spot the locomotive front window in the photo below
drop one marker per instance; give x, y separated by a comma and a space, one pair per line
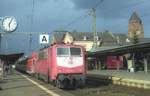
75, 51
62, 51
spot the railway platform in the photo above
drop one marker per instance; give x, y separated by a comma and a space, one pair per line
122, 77
18, 84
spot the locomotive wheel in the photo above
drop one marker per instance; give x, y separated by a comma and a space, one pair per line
32, 74
66, 82
36, 76
47, 79
82, 84
74, 84
53, 83
58, 84
39, 76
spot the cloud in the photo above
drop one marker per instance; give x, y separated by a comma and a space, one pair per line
45, 16
50, 15
112, 9
113, 13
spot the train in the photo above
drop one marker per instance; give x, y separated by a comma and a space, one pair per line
114, 62
61, 64
20, 65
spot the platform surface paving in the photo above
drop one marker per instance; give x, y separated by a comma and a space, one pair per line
18, 84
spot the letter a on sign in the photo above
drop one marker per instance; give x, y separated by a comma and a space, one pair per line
44, 38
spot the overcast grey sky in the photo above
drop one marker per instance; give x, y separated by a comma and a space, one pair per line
50, 15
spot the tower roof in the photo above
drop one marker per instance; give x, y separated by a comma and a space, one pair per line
134, 17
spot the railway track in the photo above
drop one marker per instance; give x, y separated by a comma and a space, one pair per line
96, 81
98, 87
104, 87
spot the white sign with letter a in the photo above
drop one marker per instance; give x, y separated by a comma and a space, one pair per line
44, 39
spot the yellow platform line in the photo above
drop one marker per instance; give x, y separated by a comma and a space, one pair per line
131, 82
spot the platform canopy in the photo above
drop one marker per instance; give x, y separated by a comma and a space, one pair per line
11, 58
139, 47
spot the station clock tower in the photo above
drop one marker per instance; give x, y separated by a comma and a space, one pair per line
135, 26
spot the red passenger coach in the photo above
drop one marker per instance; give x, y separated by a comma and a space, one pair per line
63, 64
30, 66
114, 62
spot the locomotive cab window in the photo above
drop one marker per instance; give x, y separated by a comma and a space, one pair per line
43, 54
62, 51
75, 51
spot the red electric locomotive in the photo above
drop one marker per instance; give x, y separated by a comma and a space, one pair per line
62, 64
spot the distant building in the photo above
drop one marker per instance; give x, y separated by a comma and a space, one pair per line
135, 26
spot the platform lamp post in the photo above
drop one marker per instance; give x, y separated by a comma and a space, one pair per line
135, 41
95, 36
0, 33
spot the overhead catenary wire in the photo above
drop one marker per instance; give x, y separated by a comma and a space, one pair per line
83, 16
